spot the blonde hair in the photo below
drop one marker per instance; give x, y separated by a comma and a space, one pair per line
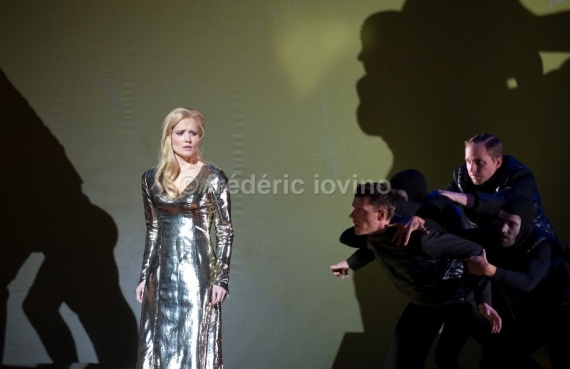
168, 169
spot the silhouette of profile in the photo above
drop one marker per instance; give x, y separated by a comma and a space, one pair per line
46, 211
438, 72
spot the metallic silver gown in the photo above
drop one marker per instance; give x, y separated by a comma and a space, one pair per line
178, 328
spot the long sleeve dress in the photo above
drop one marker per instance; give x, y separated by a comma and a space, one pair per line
178, 327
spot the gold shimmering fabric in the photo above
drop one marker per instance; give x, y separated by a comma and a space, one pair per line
178, 327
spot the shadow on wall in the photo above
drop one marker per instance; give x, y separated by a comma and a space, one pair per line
45, 211
439, 72
380, 307
436, 74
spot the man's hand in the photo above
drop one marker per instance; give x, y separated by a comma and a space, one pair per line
466, 200
340, 269
406, 227
435, 193
492, 316
479, 265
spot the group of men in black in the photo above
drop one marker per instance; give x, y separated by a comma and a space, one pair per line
478, 259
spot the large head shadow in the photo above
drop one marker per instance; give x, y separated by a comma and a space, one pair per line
439, 72
46, 211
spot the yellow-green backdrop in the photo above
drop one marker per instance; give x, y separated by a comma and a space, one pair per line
280, 83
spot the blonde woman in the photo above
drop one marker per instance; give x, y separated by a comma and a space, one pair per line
184, 277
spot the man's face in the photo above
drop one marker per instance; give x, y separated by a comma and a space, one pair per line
510, 228
366, 219
480, 165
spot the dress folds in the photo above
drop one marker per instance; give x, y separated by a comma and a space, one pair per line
178, 327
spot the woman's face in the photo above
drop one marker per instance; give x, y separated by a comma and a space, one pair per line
185, 137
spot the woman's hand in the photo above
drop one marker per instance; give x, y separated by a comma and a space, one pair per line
218, 295
139, 292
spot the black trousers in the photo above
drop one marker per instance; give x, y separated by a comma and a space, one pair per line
522, 337
418, 328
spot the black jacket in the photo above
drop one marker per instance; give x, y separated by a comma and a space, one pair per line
530, 276
429, 271
511, 179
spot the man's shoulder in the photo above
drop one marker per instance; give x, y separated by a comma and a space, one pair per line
514, 170
383, 238
433, 226
538, 239
513, 164
388, 233
459, 170
419, 238
460, 176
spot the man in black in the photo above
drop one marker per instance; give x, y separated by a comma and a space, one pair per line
528, 280
487, 179
530, 284
409, 187
429, 271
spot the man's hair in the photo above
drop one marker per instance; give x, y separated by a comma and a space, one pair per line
378, 195
492, 143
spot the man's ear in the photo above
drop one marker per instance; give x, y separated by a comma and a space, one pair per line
382, 214
499, 161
